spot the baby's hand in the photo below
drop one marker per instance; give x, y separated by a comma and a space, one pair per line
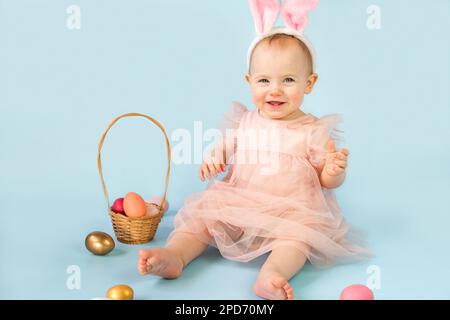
211, 169
336, 161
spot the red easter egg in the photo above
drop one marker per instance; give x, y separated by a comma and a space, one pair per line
356, 292
134, 205
117, 206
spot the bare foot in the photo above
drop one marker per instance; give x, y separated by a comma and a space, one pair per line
161, 262
273, 287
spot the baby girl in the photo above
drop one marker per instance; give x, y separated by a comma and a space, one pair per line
291, 212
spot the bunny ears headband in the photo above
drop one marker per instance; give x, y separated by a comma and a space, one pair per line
294, 13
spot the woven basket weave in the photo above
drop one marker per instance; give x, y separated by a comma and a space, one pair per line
135, 230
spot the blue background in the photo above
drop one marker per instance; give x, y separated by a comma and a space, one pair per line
184, 61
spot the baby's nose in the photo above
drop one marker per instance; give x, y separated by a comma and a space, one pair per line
276, 92
276, 88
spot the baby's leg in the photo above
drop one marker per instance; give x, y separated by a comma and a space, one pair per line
285, 260
169, 262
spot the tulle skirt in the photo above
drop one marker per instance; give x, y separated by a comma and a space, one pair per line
246, 215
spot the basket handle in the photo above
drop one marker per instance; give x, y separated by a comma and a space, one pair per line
99, 162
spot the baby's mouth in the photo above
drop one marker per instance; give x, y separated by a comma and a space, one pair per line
276, 103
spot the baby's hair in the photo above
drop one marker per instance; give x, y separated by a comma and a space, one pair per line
284, 39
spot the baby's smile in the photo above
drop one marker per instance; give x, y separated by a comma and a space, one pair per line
276, 103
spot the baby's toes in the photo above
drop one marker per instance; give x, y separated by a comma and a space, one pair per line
142, 266
289, 292
141, 270
280, 282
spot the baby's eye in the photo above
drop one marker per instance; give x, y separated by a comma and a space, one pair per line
290, 80
263, 81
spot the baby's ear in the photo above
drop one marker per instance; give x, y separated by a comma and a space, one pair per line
248, 78
265, 14
312, 80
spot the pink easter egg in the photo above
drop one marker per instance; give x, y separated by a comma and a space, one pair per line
157, 200
356, 292
134, 205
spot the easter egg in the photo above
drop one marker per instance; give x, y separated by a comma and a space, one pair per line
134, 205
99, 243
152, 210
120, 292
356, 292
157, 200
117, 206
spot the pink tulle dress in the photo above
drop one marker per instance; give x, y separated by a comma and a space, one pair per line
271, 194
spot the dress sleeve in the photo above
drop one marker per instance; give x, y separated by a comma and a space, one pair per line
224, 148
322, 130
233, 116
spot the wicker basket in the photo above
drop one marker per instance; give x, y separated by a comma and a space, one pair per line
135, 230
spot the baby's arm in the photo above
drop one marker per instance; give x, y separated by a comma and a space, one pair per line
213, 164
332, 173
216, 160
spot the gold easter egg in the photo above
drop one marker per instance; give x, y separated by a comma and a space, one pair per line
120, 292
99, 243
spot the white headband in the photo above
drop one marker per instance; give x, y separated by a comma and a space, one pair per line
294, 12
286, 31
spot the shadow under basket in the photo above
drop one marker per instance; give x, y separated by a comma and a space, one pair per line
136, 230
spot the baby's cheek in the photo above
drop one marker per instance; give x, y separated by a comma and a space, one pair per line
258, 96
295, 96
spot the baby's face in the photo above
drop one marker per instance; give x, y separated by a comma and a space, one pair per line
279, 78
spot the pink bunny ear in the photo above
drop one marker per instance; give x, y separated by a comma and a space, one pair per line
265, 14
295, 12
